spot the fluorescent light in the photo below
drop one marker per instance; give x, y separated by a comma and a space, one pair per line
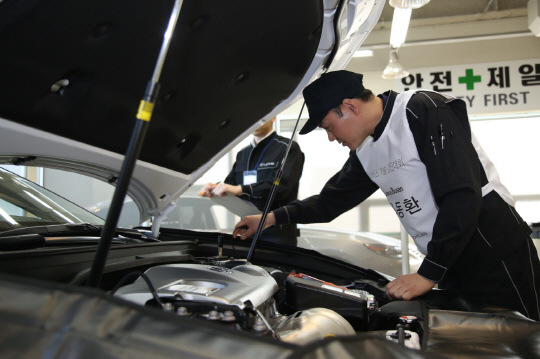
363, 53
413, 4
400, 25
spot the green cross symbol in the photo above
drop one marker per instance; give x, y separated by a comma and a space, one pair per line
469, 79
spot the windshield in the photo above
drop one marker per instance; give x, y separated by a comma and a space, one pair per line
25, 204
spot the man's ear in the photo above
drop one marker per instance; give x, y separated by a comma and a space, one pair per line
351, 105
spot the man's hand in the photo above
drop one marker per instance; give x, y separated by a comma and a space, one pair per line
220, 189
408, 286
249, 224
207, 190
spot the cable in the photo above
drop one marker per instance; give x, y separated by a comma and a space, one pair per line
145, 278
234, 249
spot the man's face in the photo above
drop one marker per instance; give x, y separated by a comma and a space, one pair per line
347, 130
264, 129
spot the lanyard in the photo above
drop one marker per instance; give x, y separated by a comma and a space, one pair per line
262, 154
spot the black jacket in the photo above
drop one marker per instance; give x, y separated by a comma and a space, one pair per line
466, 221
268, 156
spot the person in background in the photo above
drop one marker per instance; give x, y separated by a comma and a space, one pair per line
253, 174
418, 148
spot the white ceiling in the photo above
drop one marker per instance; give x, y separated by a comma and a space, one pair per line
454, 32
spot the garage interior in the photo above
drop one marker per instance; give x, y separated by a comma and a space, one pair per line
486, 52
441, 33
448, 34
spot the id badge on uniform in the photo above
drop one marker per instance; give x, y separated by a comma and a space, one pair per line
250, 177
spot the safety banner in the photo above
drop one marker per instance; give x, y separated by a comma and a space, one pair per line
511, 86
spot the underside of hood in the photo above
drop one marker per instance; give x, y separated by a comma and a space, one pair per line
73, 73
78, 69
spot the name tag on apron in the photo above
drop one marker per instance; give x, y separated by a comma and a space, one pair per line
250, 177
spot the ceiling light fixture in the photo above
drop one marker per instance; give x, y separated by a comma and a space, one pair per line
394, 69
400, 25
408, 4
363, 53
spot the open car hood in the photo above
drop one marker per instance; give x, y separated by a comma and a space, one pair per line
74, 72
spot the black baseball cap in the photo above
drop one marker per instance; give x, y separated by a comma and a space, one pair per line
327, 92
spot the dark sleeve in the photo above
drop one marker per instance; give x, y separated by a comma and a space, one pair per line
292, 171
345, 190
455, 177
231, 177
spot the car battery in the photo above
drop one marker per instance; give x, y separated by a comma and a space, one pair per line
305, 292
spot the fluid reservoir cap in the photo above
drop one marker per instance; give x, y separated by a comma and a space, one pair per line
407, 319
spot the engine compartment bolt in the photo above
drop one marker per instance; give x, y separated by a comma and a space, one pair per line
213, 315
182, 311
259, 325
228, 316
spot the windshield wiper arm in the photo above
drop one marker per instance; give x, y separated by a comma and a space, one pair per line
20, 242
53, 229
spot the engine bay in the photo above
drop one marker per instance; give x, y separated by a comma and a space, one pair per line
286, 305
192, 286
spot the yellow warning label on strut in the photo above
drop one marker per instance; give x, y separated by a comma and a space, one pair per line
145, 110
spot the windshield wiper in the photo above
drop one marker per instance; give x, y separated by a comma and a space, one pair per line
56, 229
20, 242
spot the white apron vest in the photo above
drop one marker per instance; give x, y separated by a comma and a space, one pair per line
393, 163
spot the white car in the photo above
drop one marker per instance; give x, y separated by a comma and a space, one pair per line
368, 250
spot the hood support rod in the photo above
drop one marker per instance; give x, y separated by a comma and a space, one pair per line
144, 115
273, 191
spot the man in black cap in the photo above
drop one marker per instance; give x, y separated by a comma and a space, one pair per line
418, 148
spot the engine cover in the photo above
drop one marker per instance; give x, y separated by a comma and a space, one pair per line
200, 282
